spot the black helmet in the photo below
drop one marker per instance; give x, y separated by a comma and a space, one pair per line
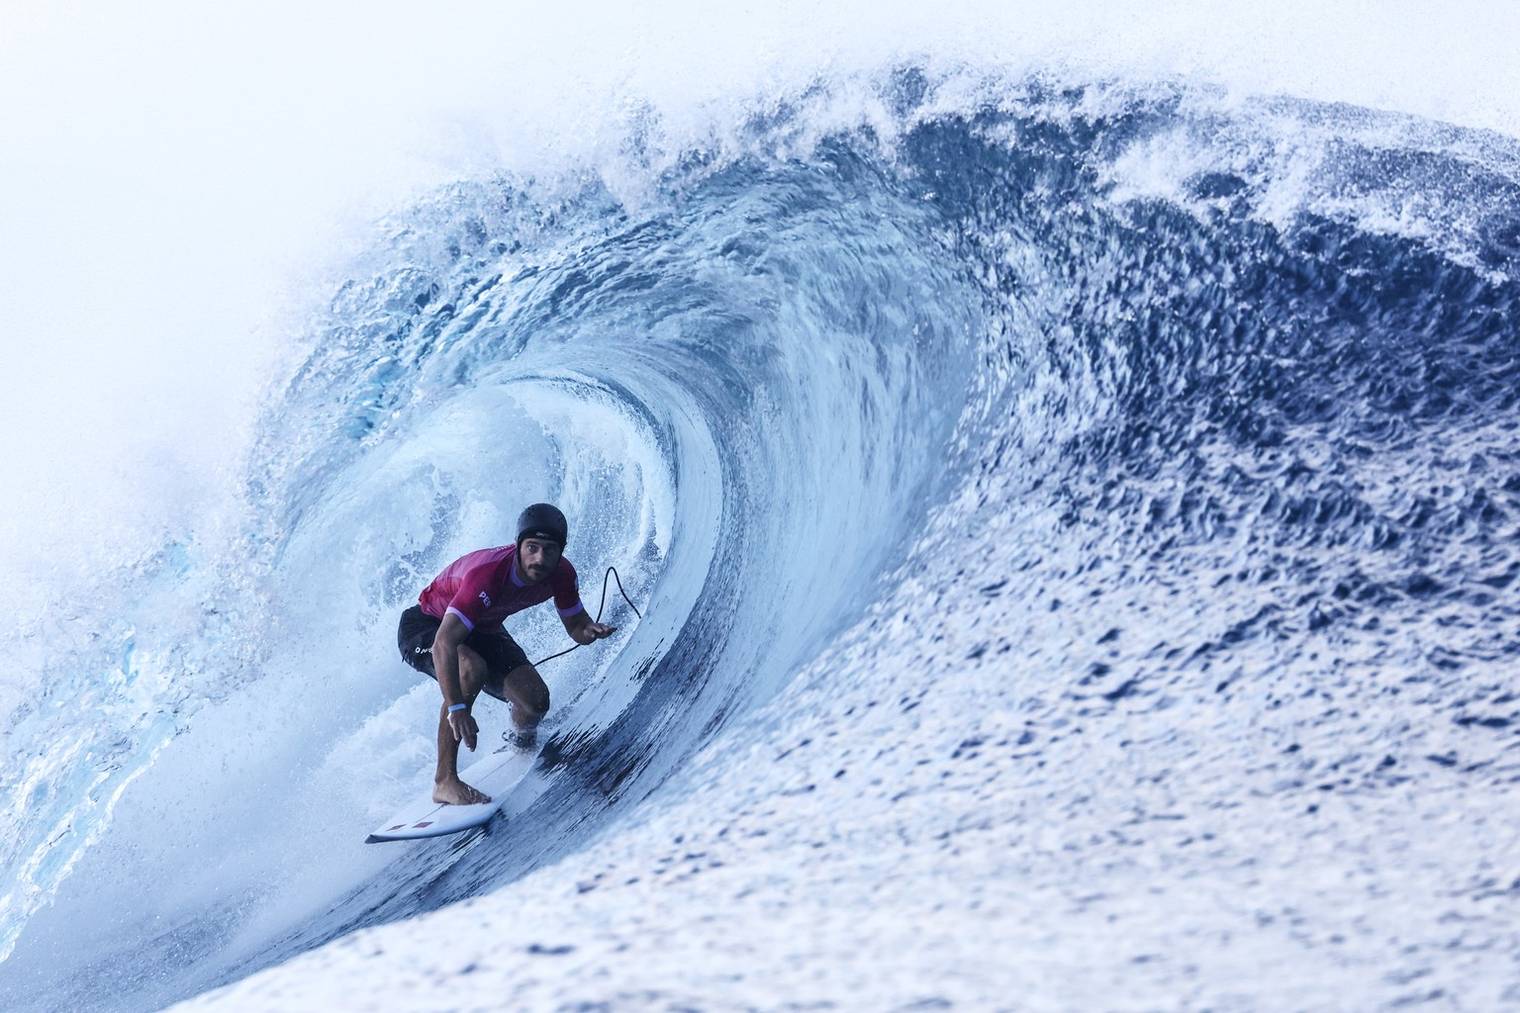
542, 520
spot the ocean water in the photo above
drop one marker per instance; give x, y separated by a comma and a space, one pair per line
1075, 519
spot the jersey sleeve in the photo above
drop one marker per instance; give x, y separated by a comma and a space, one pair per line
567, 592
472, 597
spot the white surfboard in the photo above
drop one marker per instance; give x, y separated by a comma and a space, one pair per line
496, 775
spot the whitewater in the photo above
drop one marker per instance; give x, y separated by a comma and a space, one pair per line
1067, 466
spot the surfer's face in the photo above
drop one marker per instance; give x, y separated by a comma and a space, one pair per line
538, 558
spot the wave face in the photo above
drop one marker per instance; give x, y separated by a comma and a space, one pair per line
1188, 425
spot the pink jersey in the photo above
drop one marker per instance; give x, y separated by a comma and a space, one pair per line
482, 588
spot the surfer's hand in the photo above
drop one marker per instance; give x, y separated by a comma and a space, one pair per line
588, 632
463, 725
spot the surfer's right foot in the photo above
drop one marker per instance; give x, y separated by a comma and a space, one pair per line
456, 792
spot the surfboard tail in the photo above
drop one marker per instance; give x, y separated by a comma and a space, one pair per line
496, 775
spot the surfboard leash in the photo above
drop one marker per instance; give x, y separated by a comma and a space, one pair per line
611, 572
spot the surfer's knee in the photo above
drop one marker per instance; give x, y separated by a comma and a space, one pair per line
472, 672
535, 705
531, 693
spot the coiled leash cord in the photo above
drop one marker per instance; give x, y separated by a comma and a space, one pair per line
611, 572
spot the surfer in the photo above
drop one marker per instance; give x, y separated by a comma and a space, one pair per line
454, 633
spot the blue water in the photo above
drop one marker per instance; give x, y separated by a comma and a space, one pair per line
1195, 421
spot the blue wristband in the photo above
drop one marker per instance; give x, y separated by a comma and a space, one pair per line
459, 707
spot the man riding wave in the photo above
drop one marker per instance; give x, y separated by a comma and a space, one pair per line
454, 634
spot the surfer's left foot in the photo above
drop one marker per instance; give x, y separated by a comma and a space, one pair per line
456, 792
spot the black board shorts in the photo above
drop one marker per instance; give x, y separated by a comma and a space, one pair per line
414, 636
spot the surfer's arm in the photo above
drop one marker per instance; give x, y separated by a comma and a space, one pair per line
583, 631
451, 633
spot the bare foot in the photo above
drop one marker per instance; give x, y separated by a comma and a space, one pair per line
456, 792
523, 738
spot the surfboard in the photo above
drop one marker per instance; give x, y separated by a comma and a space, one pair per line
496, 775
